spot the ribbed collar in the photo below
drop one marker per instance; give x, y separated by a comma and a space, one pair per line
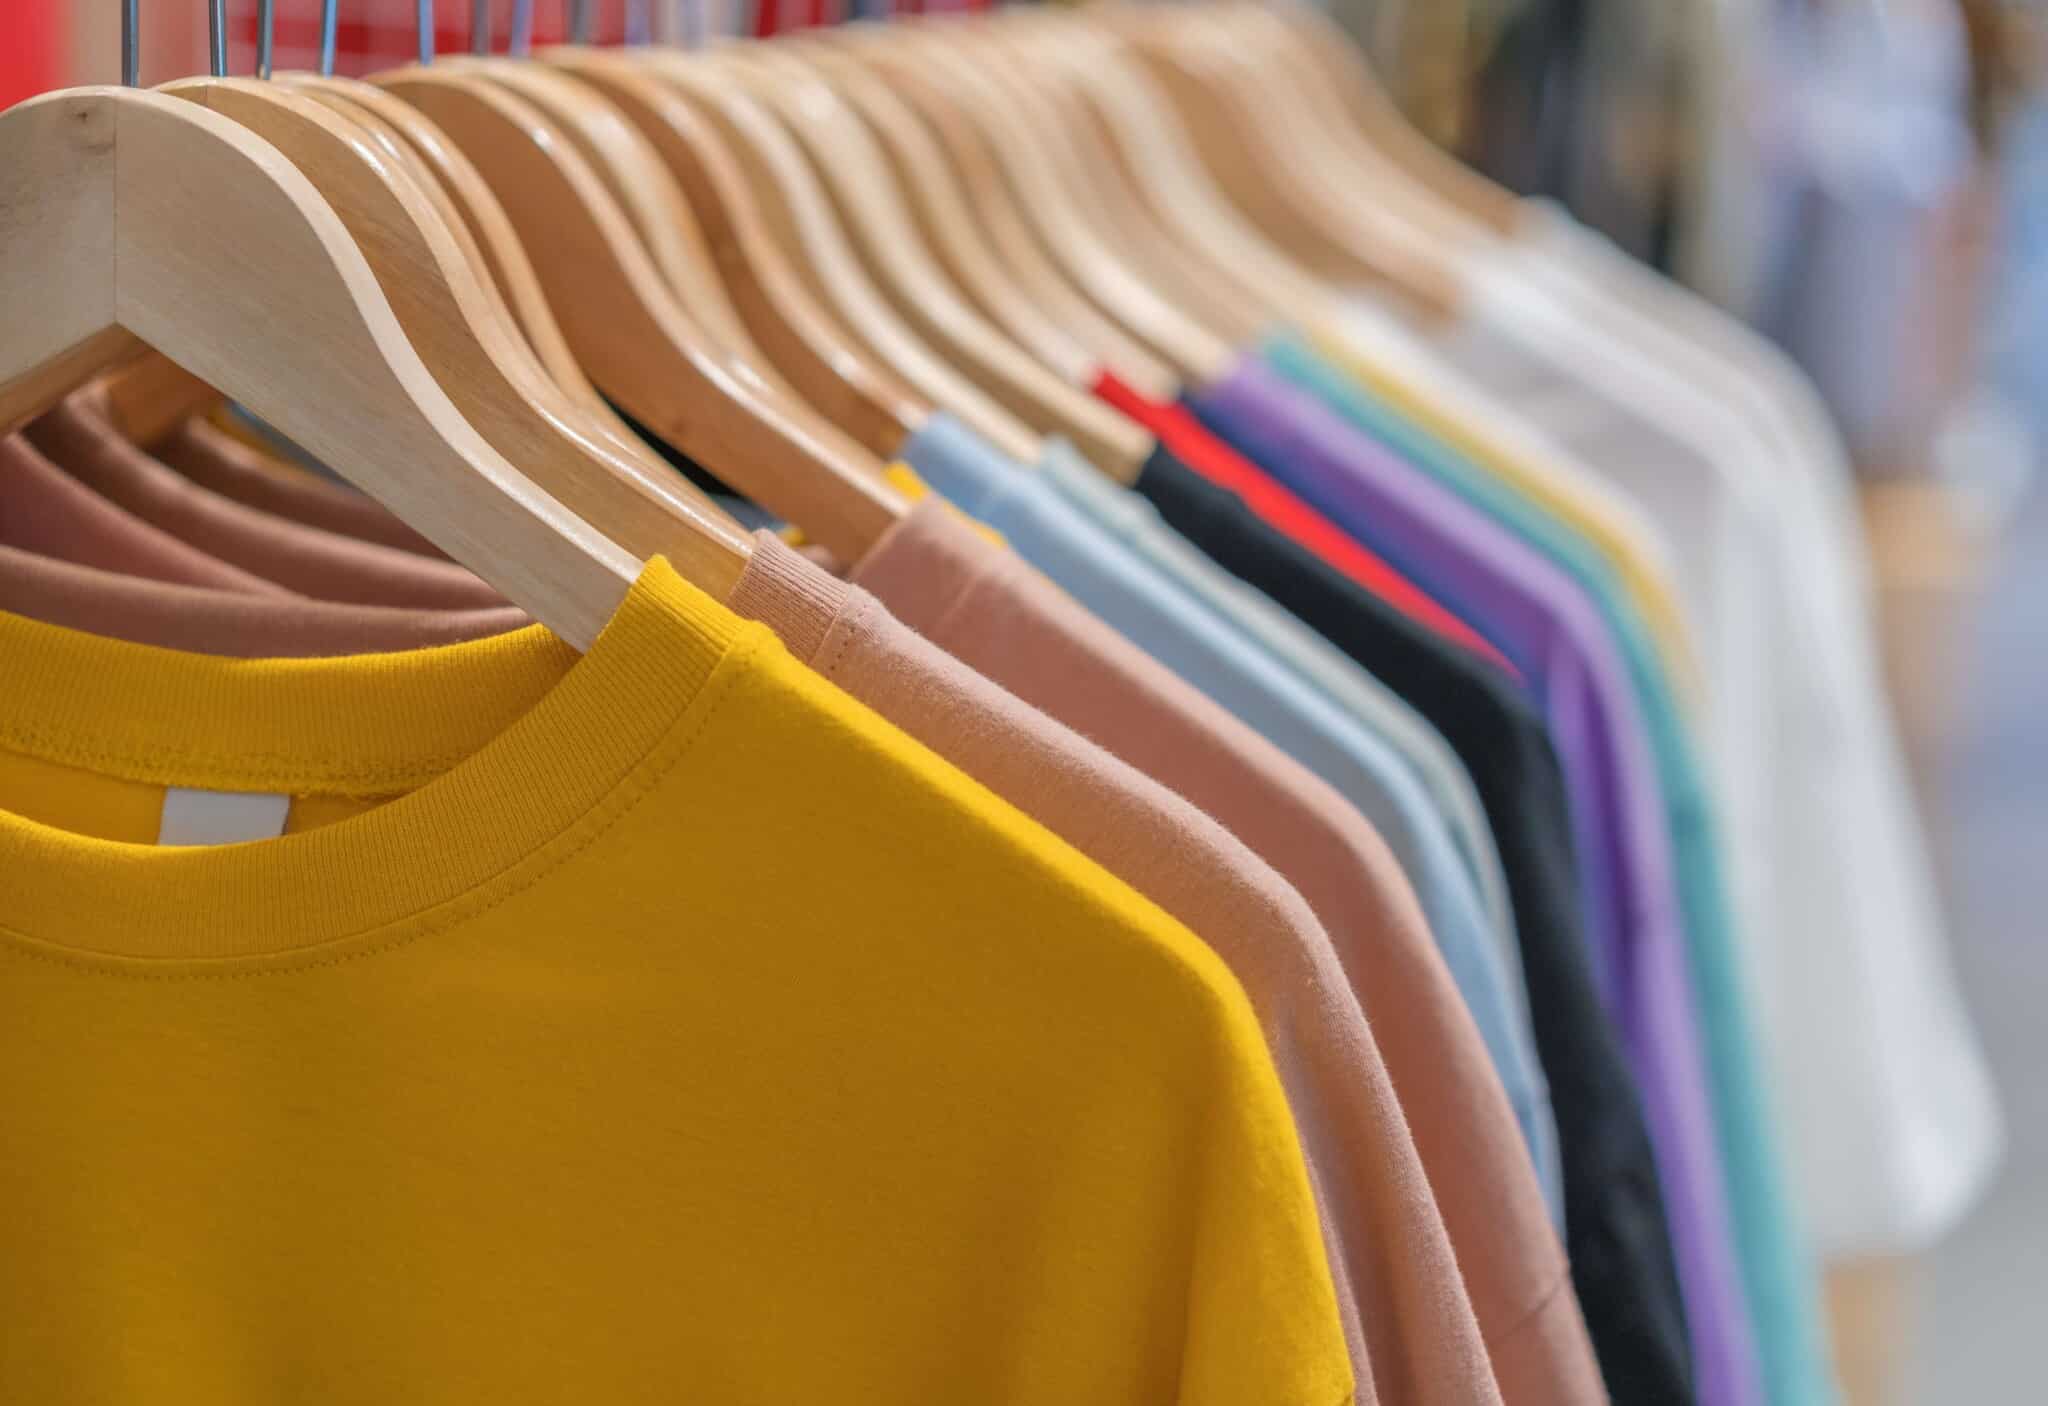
491, 748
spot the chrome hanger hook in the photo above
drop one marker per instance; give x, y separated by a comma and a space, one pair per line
266, 35
330, 14
131, 43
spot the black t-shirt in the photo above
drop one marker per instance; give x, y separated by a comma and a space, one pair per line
1615, 1231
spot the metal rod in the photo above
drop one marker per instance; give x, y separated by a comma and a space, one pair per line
423, 21
266, 35
217, 37
479, 26
520, 41
639, 29
330, 13
131, 44
579, 21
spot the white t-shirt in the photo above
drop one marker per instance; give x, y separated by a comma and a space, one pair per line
1890, 1122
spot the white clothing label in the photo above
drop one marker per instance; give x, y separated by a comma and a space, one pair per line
195, 817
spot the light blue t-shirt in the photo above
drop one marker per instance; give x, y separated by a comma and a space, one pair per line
1056, 518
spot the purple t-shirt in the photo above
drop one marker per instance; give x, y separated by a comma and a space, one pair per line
1556, 635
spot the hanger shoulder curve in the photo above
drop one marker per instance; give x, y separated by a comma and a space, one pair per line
1195, 353
505, 260
642, 186
844, 154
825, 365
288, 319
630, 334
465, 337
992, 207
781, 169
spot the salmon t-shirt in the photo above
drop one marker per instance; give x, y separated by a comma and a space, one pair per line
990, 609
1390, 1253
80, 436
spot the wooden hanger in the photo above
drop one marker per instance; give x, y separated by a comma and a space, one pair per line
1196, 353
1098, 178
1089, 193
509, 269
780, 173
126, 213
945, 224
1275, 183
385, 139
825, 364
630, 334
372, 105
992, 208
151, 397
1333, 75
466, 336
1358, 172
1144, 138
643, 188
871, 207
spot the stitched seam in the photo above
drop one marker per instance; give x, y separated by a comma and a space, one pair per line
982, 579
839, 639
1543, 1305
626, 796
53, 744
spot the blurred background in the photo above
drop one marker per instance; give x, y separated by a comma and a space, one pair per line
1866, 181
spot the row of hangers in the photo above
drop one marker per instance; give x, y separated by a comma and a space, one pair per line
448, 281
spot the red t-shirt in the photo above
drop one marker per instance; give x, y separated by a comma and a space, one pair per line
1190, 440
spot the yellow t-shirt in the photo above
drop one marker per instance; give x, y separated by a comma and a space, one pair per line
675, 1030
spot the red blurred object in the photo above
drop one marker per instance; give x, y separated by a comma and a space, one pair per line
35, 50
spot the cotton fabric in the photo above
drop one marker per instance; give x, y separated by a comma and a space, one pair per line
1615, 1229
1892, 1127
80, 436
1780, 1284
1414, 1336
990, 609
1566, 649
831, 1116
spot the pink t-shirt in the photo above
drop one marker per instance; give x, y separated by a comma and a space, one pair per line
80, 437
994, 612
47, 512
206, 620
1414, 1335
216, 460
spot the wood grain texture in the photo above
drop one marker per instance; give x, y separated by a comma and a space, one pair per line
825, 364
112, 215
465, 335
632, 336
871, 205
1195, 353
782, 176
992, 205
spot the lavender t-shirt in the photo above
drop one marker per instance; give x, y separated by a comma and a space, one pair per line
1556, 635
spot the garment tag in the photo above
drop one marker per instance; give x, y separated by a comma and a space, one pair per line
195, 817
